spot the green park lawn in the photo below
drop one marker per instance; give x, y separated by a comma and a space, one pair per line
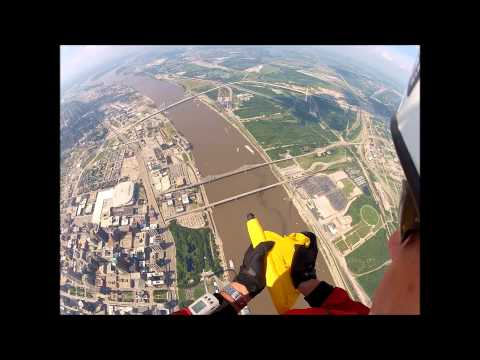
348, 187
369, 282
160, 296
341, 246
199, 290
357, 205
277, 133
370, 254
193, 254
257, 106
352, 239
369, 215
285, 163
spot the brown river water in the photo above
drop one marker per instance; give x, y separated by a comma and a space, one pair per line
217, 148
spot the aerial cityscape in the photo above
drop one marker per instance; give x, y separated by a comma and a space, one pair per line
165, 149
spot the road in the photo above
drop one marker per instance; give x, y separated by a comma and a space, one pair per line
135, 302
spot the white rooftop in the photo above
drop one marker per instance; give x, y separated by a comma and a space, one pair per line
123, 193
101, 197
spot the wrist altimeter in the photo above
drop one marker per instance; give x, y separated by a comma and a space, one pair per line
204, 305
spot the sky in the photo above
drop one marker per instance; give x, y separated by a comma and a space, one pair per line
80, 59
396, 61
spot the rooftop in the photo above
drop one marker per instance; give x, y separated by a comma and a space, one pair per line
123, 193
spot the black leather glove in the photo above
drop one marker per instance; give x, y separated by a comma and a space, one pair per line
303, 263
252, 271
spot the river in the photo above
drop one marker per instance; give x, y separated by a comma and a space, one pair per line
217, 148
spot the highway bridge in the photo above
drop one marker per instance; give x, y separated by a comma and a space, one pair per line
239, 196
245, 168
165, 108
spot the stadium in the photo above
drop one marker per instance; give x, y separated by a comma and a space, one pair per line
124, 194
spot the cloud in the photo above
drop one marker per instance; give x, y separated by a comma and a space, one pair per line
387, 56
78, 59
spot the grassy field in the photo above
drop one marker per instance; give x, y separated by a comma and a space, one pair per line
285, 163
193, 70
268, 69
199, 290
260, 89
363, 229
169, 130
183, 299
331, 114
370, 254
307, 161
369, 282
274, 154
126, 296
358, 232
335, 167
160, 296
369, 215
277, 133
354, 132
290, 76
257, 106
357, 204
352, 239
341, 246
196, 84
239, 63
335, 154
348, 187
193, 254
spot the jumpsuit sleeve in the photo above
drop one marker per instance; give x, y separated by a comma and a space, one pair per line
326, 299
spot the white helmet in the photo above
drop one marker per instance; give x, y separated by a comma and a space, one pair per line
405, 128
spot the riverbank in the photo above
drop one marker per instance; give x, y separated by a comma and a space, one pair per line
211, 222
219, 146
325, 251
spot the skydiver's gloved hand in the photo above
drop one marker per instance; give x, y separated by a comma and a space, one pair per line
303, 263
252, 271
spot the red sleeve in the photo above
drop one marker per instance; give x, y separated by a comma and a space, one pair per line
183, 311
337, 303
